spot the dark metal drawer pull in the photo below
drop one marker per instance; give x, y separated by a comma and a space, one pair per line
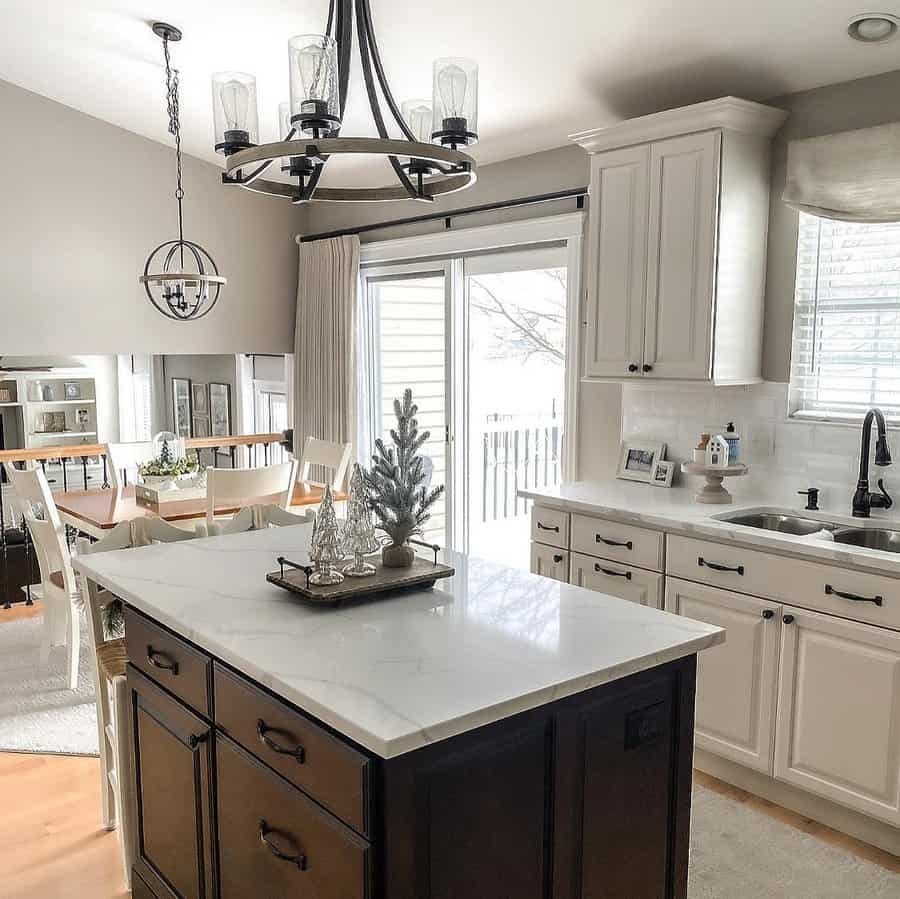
161, 660
547, 527
768, 614
263, 730
295, 858
830, 591
557, 558
611, 573
717, 567
627, 543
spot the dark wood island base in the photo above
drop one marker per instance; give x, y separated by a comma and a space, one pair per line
238, 794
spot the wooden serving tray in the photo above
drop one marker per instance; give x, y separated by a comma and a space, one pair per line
421, 575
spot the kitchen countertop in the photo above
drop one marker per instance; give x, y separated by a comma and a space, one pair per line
396, 674
675, 511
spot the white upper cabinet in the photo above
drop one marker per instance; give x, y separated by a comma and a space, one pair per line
677, 243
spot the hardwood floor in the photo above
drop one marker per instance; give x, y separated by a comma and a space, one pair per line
53, 846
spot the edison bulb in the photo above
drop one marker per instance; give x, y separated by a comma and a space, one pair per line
452, 84
312, 63
235, 99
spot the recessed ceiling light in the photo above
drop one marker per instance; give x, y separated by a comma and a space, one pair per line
873, 27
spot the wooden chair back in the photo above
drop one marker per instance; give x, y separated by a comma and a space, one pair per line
334, 457
241, 486
47, 531
146, 531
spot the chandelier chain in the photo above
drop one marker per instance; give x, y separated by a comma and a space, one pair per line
174, 128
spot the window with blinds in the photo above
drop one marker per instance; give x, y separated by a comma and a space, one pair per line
846, 346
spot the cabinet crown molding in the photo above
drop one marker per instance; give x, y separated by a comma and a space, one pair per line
731, 113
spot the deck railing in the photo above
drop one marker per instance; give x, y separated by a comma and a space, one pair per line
518, 452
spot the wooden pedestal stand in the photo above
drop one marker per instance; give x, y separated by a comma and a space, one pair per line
713, 491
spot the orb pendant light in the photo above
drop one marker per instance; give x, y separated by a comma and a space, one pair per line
180, 277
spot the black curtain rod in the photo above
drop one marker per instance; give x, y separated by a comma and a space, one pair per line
578, 193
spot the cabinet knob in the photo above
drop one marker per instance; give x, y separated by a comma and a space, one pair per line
632, 367
768, 614
647, 367
557, 558
788, 619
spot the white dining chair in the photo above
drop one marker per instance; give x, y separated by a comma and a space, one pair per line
259, 517
123, 462
332, 456
240, 486
146, 531
61, 598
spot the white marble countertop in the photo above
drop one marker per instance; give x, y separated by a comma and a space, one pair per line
675, 510
400, 673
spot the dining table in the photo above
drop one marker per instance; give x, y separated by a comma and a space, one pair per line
94, 512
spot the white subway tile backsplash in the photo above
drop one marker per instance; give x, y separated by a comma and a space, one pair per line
679, 413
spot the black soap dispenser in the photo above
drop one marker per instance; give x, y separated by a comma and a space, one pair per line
734, 443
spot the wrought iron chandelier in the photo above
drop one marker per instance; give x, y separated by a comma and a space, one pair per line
180, 277
426, 160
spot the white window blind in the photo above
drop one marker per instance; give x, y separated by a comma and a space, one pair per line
846, 346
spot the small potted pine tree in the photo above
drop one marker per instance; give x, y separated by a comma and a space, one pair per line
398, 494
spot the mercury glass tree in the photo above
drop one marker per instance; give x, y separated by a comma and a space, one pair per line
328, 549
359, 531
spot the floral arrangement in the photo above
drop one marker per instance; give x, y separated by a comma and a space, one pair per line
165, 465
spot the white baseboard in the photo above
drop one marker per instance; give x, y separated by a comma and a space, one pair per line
876, 833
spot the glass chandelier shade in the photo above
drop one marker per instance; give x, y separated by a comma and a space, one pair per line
455, 101
235, 112
313, 66
418, 115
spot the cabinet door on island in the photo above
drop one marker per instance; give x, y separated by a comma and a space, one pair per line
173, 770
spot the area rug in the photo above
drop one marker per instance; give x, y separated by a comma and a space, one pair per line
38, 713
740, 853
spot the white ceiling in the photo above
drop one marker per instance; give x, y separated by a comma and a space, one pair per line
546, 69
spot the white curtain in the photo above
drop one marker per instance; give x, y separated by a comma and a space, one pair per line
853, 176
325, 384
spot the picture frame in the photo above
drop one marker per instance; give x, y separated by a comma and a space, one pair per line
181, 406
200, 426
220, 409
71, 390
637, 457
199, 399
662, 474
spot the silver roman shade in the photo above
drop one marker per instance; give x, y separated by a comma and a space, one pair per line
853, 176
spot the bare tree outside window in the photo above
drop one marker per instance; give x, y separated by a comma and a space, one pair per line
525, 326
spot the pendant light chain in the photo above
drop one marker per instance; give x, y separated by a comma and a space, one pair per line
175, 131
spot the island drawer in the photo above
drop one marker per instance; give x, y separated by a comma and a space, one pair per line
614, 579
169, 661
332, 772
859, 595
273, 839
550, 526
620, 542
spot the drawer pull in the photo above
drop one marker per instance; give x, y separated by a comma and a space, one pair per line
788, 619
557, 558
739, 569
627, 543
263, 731
547, 527
295, 857
768, 614
611, 573
830, 591
161, 660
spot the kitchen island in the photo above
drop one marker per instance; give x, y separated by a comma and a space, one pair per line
501, 735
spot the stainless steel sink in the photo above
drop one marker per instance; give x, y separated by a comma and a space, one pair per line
871, 538
772, 521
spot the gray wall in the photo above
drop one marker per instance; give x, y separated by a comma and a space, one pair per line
83, 205
198, 369
538, 173
825, 110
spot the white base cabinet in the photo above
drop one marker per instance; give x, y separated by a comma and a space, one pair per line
736, 680
550, 561
838, 722
634, 584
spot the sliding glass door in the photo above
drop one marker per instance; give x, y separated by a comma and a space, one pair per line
481, 339
407, 322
